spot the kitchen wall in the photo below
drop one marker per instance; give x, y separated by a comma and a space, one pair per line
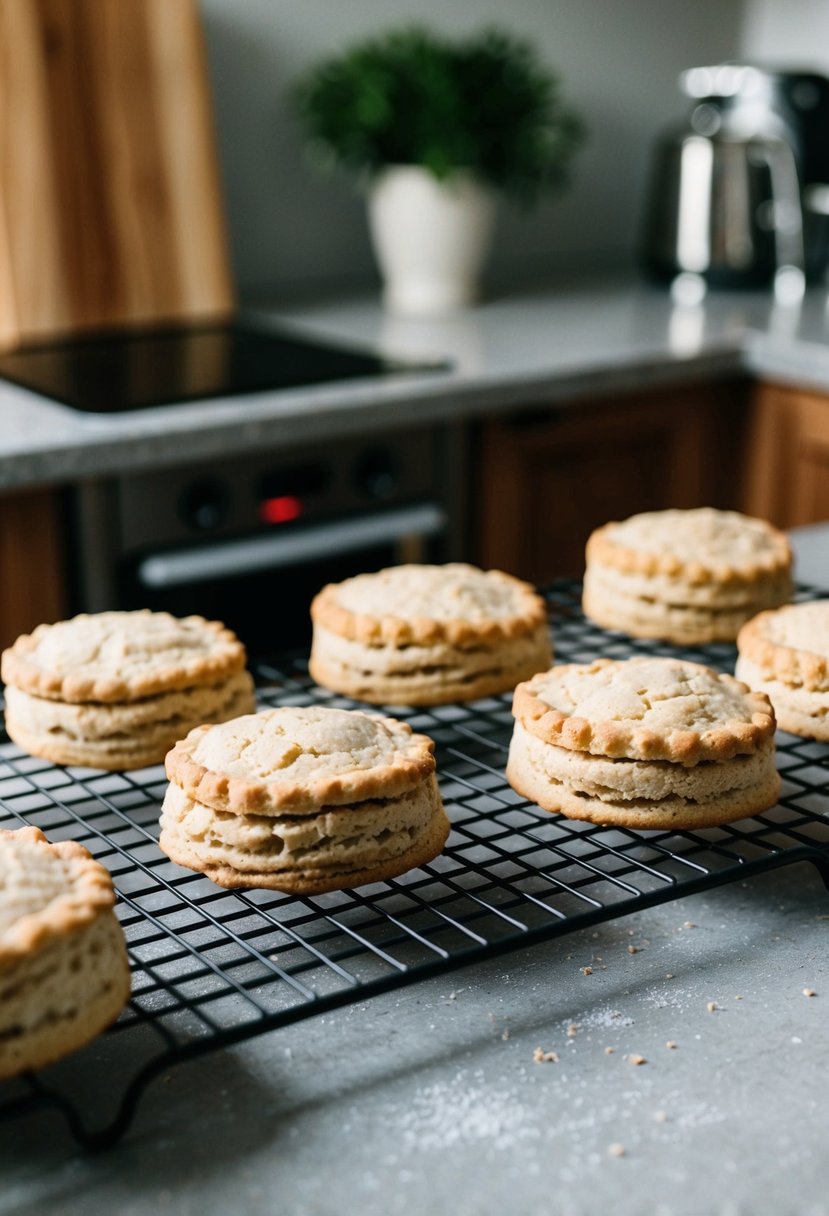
794, 34
292, 232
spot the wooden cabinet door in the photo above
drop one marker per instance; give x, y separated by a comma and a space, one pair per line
110, 205
548, 477
31, 562
788, 456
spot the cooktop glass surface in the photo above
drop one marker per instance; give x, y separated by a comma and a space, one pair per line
136, 369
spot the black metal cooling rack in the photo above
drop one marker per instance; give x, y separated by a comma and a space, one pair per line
213, 967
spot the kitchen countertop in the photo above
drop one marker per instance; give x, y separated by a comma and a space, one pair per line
561, 344
428, 1100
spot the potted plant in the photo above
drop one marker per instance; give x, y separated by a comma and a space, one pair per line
436, 129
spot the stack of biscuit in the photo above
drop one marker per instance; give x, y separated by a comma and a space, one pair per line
116, 690
305, 800
688, 577
426, 635
64, 972
785, 654
643, 743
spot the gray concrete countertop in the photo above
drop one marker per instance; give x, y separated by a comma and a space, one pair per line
429, 1100
555, 345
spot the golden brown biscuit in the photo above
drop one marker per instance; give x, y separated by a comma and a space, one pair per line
427, 635
116, 690
64, 972
305, 800
647, 743
785, 654
688, 577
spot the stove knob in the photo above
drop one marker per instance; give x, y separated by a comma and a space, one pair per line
204, 505
376, 474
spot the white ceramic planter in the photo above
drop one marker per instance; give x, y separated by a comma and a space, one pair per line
430, 238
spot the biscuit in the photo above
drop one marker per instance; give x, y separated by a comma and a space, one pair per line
688, 577
428, 635
785, 654
643, 743
64, 972
117, 690
304, 800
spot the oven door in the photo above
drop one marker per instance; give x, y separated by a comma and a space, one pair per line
250, 540
262, 585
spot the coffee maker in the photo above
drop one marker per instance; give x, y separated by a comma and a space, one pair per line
739, 191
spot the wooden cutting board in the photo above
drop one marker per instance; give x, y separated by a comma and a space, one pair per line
110, 204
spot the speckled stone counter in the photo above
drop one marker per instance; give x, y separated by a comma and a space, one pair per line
557, 345
431, 1101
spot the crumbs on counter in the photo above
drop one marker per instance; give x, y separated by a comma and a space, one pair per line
633, 949
573, 1029
545, 1057
616, 1150
712, 1006
586, 970
809, 992
635, 1059
671, 1045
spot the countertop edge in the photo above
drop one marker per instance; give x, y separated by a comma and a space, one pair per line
553, 349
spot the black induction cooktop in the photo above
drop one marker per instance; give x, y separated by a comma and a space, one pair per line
139, 368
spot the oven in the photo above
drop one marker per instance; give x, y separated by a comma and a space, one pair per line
250, 540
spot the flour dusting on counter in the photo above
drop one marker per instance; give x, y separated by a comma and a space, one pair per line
450, 1113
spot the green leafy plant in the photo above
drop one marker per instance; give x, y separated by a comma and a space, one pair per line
486, 105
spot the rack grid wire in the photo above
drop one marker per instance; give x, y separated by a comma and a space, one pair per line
213, 967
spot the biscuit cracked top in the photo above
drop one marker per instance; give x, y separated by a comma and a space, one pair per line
456, 603
46, 890
299, 760
121, 656
645, 709
699, 546
790, 644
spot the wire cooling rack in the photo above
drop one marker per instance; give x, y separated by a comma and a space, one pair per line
213, 967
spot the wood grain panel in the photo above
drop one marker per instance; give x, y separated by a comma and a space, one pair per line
31, 562
788, 456
110, 203
547, 478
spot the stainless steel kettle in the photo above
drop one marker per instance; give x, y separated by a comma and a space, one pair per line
725, 200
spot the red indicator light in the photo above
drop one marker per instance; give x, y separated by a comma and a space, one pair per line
280, 510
